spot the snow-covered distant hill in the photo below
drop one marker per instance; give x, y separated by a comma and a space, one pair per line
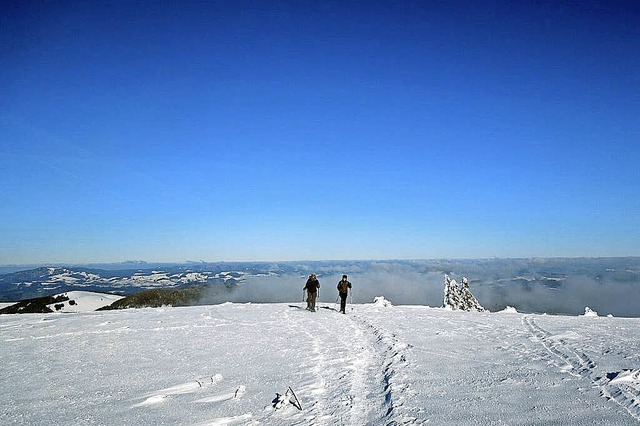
278, 364
49, 280
45, 281
566, 286
73, 301
84, 301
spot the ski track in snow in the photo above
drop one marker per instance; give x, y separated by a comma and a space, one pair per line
218, 365
336, 391
391, 359
622, 387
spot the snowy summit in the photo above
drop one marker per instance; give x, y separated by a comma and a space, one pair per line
279, 364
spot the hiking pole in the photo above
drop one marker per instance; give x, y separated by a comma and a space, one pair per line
351, 299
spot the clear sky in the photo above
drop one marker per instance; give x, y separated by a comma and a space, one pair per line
249, 130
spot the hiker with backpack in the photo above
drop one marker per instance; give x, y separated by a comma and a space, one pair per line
343, 292
312, 286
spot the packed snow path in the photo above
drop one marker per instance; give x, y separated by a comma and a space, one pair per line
354, 376
233, 364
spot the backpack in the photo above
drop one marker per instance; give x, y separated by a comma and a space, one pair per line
343, 286
312, 286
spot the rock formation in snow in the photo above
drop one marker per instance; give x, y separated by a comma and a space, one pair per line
459, 297
381, 301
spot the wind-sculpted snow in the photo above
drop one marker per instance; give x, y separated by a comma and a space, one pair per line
233, 364
623, 387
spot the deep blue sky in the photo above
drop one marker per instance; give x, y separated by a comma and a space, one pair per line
293, 130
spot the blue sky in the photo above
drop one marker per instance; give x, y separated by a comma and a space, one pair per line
299, 131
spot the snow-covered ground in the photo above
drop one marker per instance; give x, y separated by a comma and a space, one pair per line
83, 301
231, 364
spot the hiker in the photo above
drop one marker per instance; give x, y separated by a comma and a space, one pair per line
343, 291
312, 286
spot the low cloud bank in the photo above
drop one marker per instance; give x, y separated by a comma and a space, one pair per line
397, 283
570, 296
556, 286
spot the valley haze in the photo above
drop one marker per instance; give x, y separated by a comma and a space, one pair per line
554, 285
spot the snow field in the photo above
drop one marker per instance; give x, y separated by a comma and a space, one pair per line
83, 301
232, 364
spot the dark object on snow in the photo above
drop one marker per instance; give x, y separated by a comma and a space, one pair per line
311, 287
39, 305
289, 397
343, 292
158, 297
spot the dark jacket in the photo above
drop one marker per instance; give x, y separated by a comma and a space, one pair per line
312, 285
343, 287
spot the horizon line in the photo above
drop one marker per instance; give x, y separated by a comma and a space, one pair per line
185, 262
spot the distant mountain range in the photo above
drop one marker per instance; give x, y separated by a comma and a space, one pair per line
552, 285
45, 281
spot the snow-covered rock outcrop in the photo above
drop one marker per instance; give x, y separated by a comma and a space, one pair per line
382, 302
459, 297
